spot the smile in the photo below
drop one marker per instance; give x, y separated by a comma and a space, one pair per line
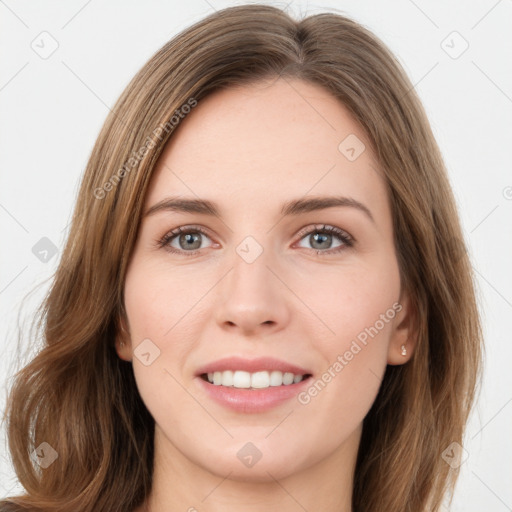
257, 380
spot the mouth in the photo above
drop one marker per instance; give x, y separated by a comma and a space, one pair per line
241, 379
260, 373
252, 385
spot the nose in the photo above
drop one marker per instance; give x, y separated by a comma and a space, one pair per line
251, 298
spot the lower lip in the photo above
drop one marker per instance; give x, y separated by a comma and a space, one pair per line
252, 400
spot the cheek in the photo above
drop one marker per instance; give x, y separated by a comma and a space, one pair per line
155, 301
358, 358
360, 310
341, 394
350, 300
162, 334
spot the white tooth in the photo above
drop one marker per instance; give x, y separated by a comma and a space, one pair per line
257, 380
287, 378
260, 380
276, 378
241, 379
227, 378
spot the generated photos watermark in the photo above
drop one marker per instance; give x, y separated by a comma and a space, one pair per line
150, 142
344, 359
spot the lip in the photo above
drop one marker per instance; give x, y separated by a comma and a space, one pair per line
251, 365
245, 400
252, 400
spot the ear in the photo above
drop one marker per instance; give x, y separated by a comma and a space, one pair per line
404, 333
123, 344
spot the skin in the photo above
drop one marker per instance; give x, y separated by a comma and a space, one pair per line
250, 149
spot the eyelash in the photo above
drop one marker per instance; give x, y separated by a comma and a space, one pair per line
348, 241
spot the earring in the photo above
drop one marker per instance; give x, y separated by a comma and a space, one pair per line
404, 350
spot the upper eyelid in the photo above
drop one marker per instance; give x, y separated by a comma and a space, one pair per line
335, 230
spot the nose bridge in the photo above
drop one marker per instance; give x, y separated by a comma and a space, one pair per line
250, 273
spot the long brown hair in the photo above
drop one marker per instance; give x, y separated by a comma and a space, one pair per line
78, 396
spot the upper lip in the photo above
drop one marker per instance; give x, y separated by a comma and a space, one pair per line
251, 365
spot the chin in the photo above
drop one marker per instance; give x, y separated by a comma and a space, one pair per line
261, 472
248, 463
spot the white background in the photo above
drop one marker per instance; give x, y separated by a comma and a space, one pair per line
52, 110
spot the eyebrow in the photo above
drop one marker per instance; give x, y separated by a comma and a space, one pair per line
290, 208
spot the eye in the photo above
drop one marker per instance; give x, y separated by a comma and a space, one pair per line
187, 238
321, 237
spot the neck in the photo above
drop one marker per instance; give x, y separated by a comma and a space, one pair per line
180, 484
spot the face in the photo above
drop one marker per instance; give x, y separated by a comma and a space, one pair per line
274, 287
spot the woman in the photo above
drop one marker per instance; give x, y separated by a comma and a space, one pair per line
264, 301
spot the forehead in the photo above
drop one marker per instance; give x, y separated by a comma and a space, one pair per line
276, 138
